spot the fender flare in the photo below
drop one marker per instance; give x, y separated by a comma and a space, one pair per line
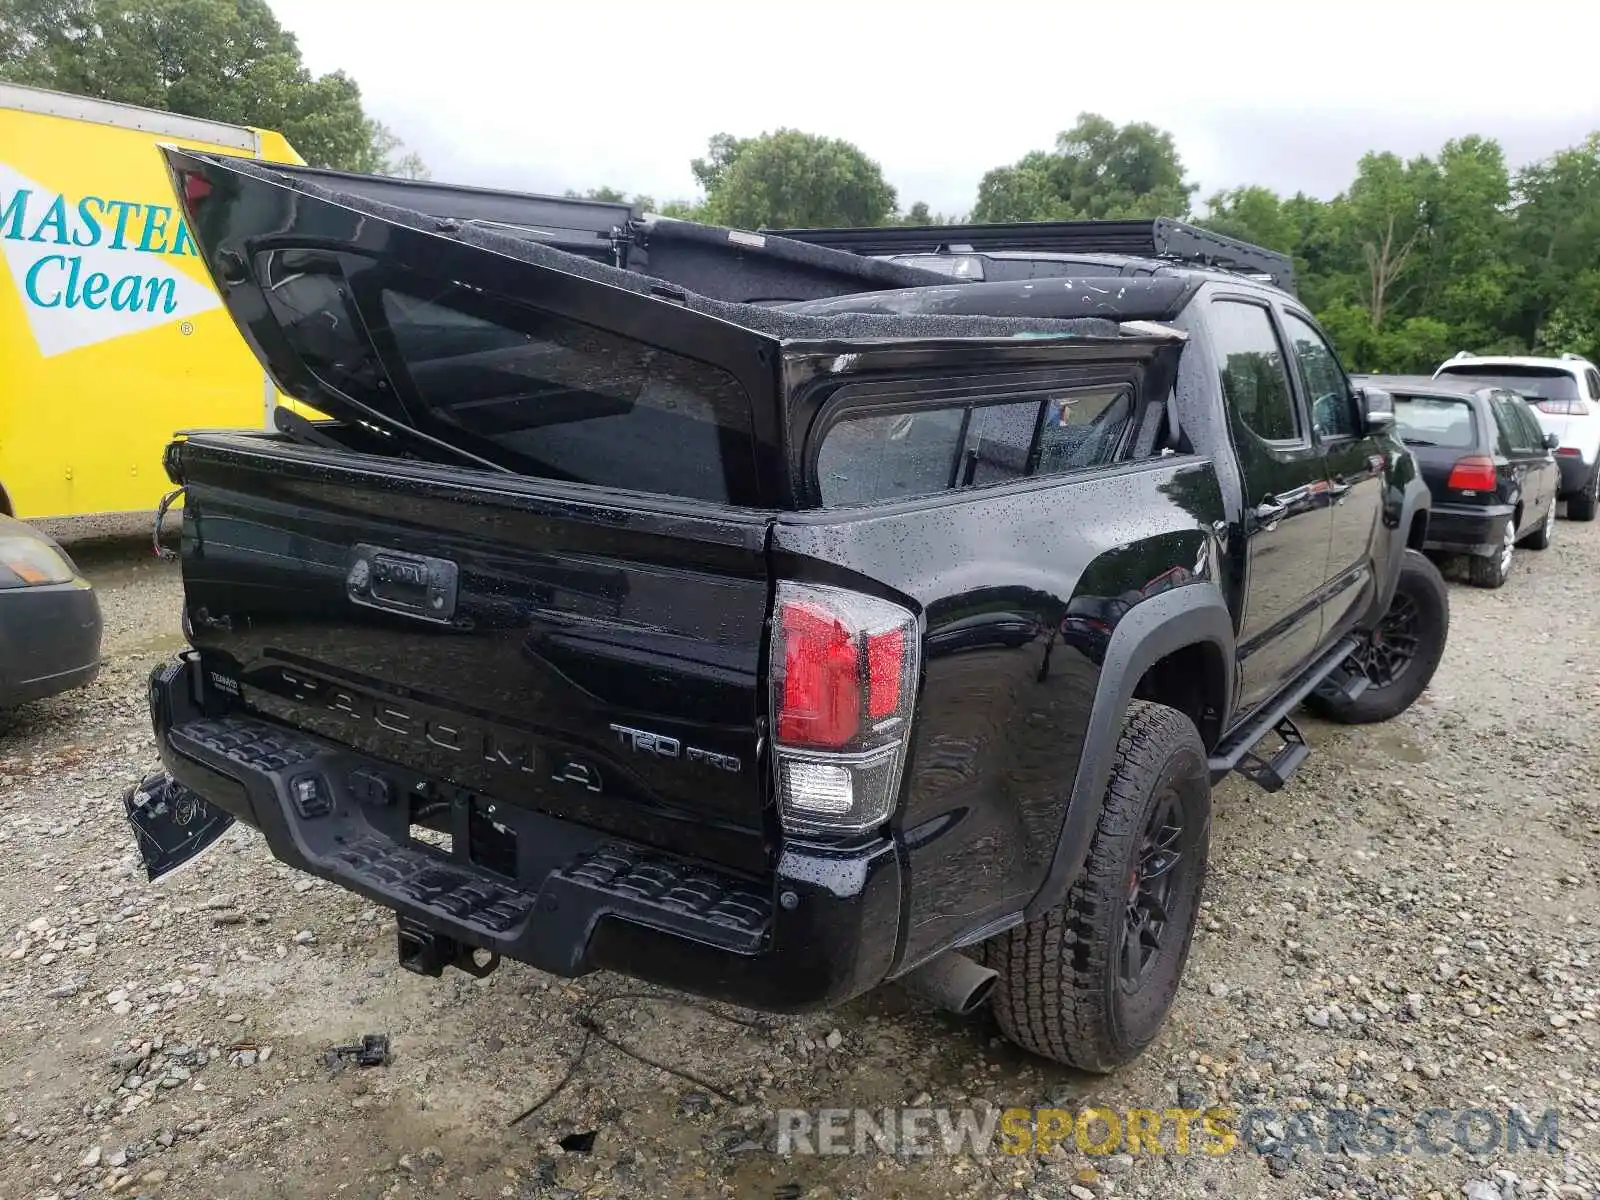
1151, 630
1415, 498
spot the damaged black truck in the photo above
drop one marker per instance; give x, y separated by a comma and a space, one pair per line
773, 615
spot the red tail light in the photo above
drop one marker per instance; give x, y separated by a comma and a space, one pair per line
1563, 408
1474, 474
885, 665
1569, 452
820, 701
844, 670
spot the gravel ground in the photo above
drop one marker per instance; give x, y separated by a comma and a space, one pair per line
1410, 924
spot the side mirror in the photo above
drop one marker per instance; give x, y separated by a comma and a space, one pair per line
1551, 441
1377, 409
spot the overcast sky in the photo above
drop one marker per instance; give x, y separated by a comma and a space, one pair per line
542, 95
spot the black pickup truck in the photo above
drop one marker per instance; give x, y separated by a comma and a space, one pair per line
770, 616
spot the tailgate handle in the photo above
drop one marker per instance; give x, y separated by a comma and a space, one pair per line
397, 581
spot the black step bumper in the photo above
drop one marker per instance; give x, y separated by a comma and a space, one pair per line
567, 899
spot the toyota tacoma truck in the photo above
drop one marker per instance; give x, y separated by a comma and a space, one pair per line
772, 615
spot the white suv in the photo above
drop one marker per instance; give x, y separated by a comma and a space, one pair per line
1564, 394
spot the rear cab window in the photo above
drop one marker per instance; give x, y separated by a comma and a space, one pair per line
1436, 421
866, 457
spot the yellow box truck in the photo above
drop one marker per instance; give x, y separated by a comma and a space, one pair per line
111, 335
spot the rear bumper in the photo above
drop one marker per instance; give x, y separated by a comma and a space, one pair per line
1576, 474
49, 640
1463, 529
566, 899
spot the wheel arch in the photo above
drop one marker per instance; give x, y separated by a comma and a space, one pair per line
1408, 531
1151, 647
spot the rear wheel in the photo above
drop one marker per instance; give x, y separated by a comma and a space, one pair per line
1090, 983
1581, 507
1492, 570
1539, 539
1400, 656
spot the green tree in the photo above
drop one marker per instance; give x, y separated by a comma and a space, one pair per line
1468, 281
789, 179
1098, 170
1385, 218
610, 195
1252, 214
724, 148
685, 210
1556, 239
224, 60
920, 214
1573, 325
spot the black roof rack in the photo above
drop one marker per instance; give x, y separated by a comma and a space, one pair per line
1159, 237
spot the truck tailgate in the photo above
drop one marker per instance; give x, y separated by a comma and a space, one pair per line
584, 659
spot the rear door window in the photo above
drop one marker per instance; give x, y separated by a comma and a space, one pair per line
1506, 423
1532, 433
560, 399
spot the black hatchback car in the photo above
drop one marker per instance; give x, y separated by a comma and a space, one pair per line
1488, 464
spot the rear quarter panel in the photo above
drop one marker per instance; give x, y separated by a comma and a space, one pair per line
1020, 589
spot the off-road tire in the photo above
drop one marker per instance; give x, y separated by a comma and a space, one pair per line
1581, 507
1422, 586
1060, 992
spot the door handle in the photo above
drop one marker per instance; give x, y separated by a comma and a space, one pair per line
1339, 489
1270, 511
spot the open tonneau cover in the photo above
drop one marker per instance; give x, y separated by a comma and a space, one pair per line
449, 334
726, 264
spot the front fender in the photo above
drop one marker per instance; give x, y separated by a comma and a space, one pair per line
1194, 614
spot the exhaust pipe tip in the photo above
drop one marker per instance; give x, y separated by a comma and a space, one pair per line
952, 982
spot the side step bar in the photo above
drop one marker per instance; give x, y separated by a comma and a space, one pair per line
1237, 752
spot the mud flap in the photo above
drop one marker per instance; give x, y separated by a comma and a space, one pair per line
171, 824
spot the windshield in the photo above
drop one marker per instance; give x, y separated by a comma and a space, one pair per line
1539, 383
1434, 421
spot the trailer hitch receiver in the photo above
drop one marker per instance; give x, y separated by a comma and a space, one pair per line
427, 952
